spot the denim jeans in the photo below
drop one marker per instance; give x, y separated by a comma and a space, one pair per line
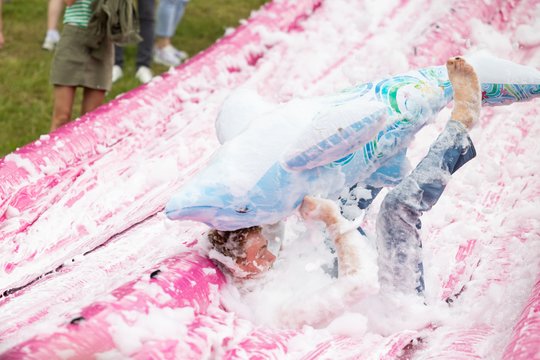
398, 223
145, 10
169, 14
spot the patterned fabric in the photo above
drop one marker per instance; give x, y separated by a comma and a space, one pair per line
79, 13
503, 94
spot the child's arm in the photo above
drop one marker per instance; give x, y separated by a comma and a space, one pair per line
357, 267
355, 256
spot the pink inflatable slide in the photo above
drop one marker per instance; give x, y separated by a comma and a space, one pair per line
91, 268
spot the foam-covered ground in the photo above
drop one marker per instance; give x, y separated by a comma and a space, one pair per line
93, 205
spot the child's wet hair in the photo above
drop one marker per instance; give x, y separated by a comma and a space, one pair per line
231, 243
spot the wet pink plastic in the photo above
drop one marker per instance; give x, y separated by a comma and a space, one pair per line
190, 280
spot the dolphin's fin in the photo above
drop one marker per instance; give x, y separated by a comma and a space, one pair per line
238, 111
333, 134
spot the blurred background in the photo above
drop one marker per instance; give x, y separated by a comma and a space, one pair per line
25, 93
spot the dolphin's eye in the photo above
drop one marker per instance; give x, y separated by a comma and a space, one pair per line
242, 210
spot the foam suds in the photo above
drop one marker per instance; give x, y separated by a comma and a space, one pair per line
480, 242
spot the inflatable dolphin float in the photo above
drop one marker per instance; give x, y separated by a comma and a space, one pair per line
274, 155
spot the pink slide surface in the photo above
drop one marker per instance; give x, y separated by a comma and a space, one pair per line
91, 268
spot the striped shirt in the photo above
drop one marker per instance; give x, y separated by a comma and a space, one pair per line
79, 13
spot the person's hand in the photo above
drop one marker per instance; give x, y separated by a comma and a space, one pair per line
308, 207
1, 38
318, 209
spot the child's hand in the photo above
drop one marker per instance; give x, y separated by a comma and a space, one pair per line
1, 39
308, 207
320, 210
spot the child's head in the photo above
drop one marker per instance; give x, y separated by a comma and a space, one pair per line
246, 247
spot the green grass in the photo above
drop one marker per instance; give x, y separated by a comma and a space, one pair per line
25, 93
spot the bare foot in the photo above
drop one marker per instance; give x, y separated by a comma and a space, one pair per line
467, 95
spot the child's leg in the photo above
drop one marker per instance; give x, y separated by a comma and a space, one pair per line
467, 95
63, 105
146, 24
179, 12
398, 223
92, 98
165, 26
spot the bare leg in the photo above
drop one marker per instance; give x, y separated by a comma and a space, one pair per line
1, 27
53, 14
467, 96
162, 42
63, 105
92, 98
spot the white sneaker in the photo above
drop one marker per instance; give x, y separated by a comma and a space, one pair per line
181, 55
166, 56
51, 39
144, 74
117, 73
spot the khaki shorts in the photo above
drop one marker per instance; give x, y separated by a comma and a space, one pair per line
74, 63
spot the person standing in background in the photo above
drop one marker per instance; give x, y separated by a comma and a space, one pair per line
52, 36
144, 48
76, 63
169, 14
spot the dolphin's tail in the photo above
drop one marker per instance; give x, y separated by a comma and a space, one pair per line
504, 94
504, 82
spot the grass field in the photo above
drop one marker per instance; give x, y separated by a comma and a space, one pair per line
25, 92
